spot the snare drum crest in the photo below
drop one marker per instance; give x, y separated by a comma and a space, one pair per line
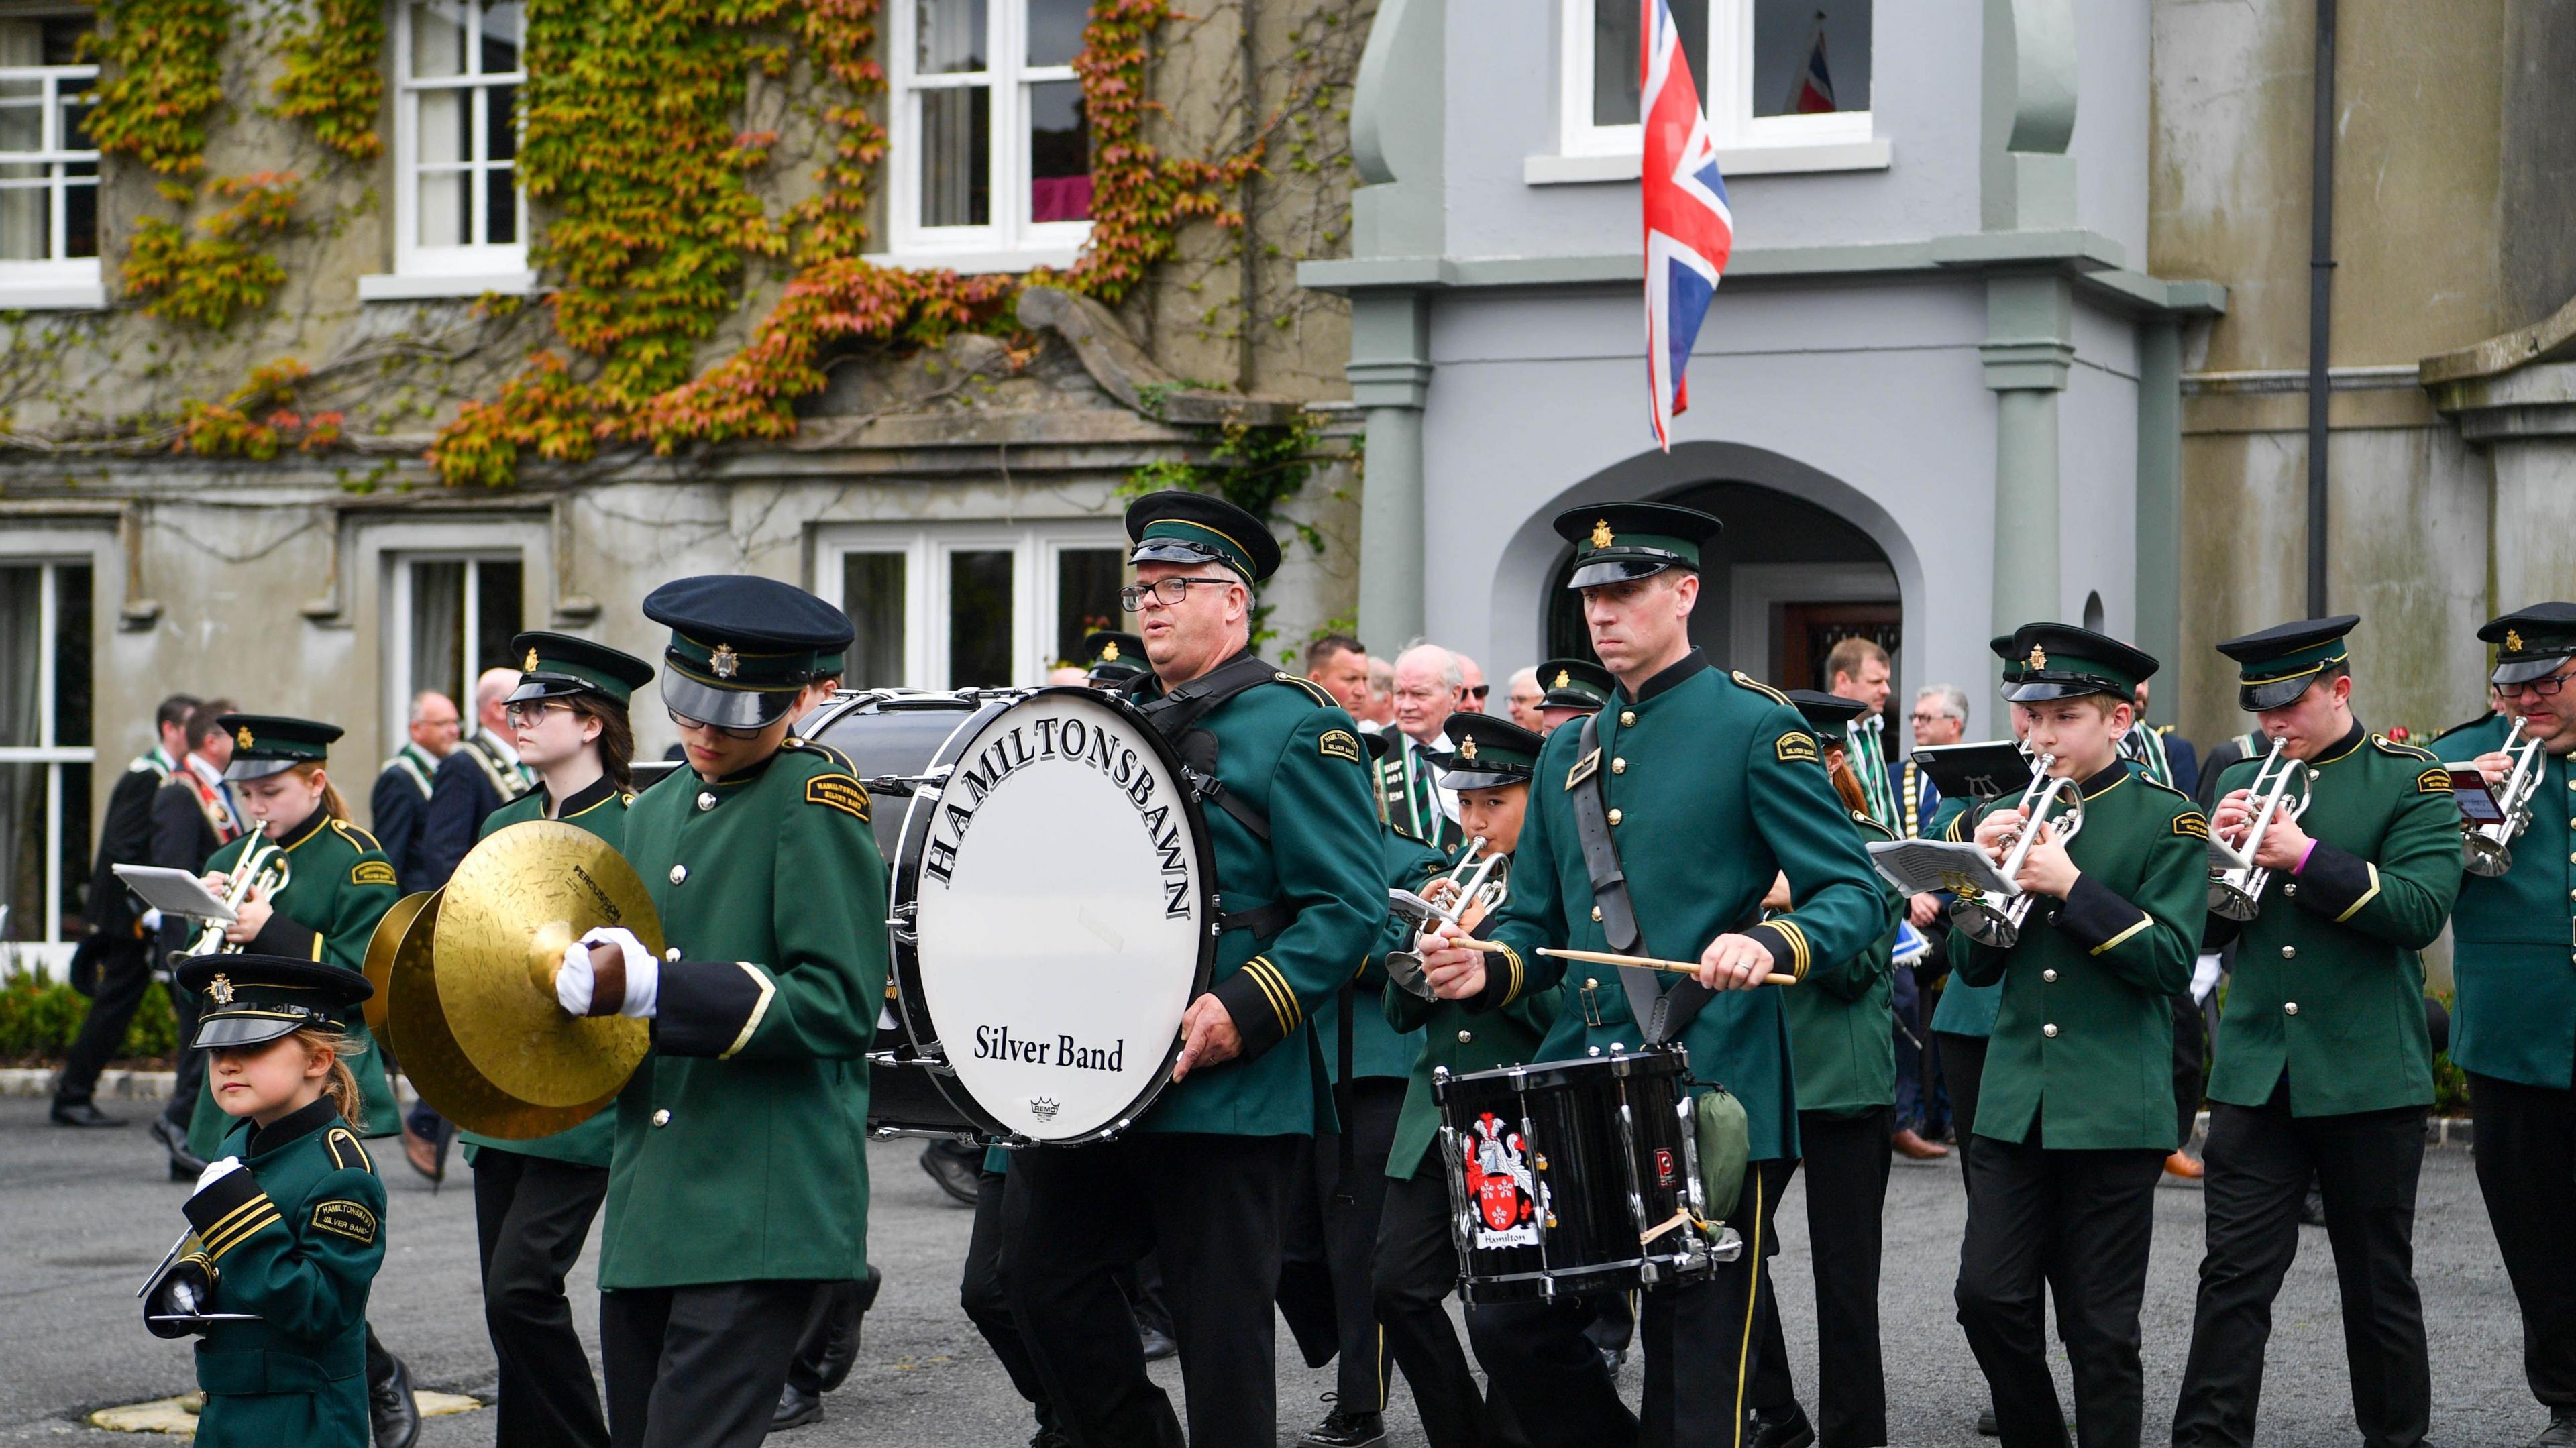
1509, 1197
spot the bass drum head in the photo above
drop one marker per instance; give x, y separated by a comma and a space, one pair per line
1061, 891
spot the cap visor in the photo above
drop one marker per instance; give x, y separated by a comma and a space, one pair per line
2255, 698
241, 769
1479, 779
1174, 550
2523, 671
1603, 572
2038, 691
1553, 699
214, 1033
550, 686
725, 708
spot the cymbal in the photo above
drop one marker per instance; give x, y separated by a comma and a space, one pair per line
504, 920
381, 947
438, 1069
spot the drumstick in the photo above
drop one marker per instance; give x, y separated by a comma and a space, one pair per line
1673, 967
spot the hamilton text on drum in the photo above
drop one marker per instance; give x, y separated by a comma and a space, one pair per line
996, 1043
1071, 740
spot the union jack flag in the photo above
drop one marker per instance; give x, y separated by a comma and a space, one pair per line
1689, 230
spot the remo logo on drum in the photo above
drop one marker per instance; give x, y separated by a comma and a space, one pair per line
1508, 1196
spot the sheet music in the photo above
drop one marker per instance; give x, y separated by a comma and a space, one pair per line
1921, 866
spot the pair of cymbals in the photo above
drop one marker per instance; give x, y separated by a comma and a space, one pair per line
464, 981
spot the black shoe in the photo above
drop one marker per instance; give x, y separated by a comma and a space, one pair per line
185, 1165
956, 1167
1345, 1430
1987, 1427
1788, 1430
1613, 1358
390, 1406
2561, 1432
2312, 1209
82, 1113
796, 1408
1158, 1343
1049, 1438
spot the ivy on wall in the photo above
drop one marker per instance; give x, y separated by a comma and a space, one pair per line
163, 79
334, 81
214, 277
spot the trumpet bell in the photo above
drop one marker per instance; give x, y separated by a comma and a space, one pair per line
2486, 857
2229, 901
1985, 924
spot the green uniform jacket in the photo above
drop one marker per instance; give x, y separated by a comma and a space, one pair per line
1380, 1050
1717, 788
2327, 987
1842, 1029
600, 809
2083, 1043
1292, 754
740, 1139
2511, 937
296, 1237
338, 886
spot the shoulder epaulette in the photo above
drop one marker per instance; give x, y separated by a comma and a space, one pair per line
355, 835
1744, 680
1321, 695
1868, 824
2402, 751
816, 746
345, 1151
2147, 778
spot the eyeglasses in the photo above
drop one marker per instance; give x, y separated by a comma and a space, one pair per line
527, 713
2546, 688
1479, 692
1922, 718
685, 722
1166, 591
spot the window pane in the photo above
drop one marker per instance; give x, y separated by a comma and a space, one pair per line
22, 645
22, 115
1059, 153
1086, 597
1810, 56
1055, 30
951, 36
1617, 53
500, 132
22, 42
446, 207
22, 849
872, 595
25, 218
979, 619
62, 43
437, 40
496, 600
501, 38
957, 157
74, 134
437, 630
76, 845
446, 128
72, 686
501, 198
80, 218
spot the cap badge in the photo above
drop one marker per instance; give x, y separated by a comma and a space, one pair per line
2512, 642
242, 737
1109, 651
1563, 678
2038, 657
1467, 748
1602, 537
725, 662
531, 666
221, 988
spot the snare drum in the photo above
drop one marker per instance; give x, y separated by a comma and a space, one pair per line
1568, 1178
1054, 908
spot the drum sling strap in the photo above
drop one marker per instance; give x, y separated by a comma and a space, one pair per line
1662, 1013
1176, 717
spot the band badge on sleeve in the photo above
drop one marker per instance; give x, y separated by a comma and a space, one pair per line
1796, 746
2433, 781
1339, 744
2194, 824
372, 872
345, 1218
840, 792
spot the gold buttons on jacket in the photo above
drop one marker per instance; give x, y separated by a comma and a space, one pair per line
2289, 952
2290, 889
1618, 766
2289, 1008
707, 799
1616, 816
1466, 1036
2050, 976
662, 1117
672, 955
1629, 716
679, 873
2049, 1031
1591, 982
1596, 913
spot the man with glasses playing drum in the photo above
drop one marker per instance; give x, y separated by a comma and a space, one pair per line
1685, 796
2513, 1029
738, 1183
1200, 1178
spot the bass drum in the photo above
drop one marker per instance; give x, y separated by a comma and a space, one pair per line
1054, 908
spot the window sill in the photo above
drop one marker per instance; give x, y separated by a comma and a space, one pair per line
400, 287
1020, 260
53, 296
1871, 155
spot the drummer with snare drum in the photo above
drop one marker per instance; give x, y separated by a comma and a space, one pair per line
1199, 1180
1707, 787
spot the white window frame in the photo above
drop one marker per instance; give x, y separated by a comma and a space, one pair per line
448, 271
50, 753
1747, 144
926, 551
61, 282
1011, 242
398, 608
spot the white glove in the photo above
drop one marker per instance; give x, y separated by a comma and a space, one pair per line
216, 1171
643, 974
2204, 978
152, 919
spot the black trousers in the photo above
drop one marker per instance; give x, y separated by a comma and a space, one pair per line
987, 1306
1209, 1208
830, 1344
698, 1366
1415, 1270
1324, 1281
530, 1216
1846, 1160
2260, 1161
190, 1077
2077, 1223
2190, 1064
1963, 1070
124, 973
2527, 1172
1701, 1343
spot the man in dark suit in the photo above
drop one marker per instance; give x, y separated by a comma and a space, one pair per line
116, 943
398, 810
194, 814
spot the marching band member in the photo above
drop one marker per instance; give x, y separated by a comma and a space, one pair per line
338, 885
2075, 1114
1842, 1044
288, 1222
763, 1010
534, 1200
1416, 1263
1575, 687
2323, 1061
1201, 1178
1706, 788
1117, 659
2513, 1029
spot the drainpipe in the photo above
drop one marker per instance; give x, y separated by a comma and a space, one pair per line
2320, 303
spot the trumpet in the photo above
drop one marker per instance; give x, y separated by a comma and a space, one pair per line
1483, 891
2489, 847
262, 867
2235, 881
1999, 926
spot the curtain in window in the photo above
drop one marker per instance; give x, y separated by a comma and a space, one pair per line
437, 628
23, 220
22, 786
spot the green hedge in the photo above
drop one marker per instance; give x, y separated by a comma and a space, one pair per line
39, 1018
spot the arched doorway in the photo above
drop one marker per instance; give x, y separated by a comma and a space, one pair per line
1784, 581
